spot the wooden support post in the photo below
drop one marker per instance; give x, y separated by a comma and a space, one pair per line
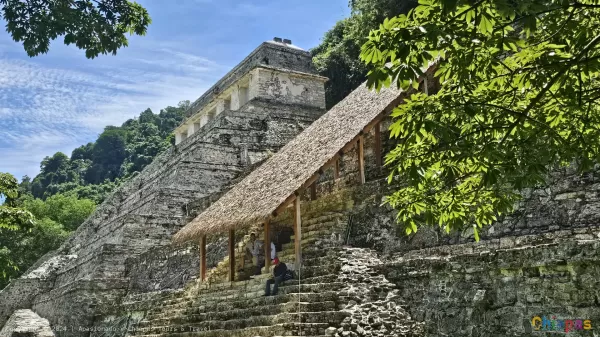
336, 169
203, 258
313, 191
377, 150
298, 232
360, 152
267, 244
231, 255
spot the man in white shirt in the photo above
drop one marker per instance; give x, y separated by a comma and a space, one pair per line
255, 250
253, 247
273, 251
262, 258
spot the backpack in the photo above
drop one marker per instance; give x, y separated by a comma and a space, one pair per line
289, 275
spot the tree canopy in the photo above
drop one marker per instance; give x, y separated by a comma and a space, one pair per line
98, 27
45, 226
11, 218
95, 169
337, 57
517, 98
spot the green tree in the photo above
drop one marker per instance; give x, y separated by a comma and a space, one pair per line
55, 218
108, 155
24, 247
517, 97
98, 27
53, 170
67, 210
84, 152
337, 57
97, 168
12, 219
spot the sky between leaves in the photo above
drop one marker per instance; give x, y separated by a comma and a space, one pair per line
61, 100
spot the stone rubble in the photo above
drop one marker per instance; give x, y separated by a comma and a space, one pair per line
26, 323
375, 307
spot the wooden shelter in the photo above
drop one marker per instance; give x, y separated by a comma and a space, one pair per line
278, 182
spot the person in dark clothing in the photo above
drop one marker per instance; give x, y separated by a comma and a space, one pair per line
280, 274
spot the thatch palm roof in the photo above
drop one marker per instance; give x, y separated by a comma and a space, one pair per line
275, 182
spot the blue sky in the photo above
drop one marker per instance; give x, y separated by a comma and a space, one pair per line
61, 100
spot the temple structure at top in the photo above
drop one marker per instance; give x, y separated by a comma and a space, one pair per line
276, 71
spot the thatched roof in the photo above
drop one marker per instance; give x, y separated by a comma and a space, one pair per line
274, 183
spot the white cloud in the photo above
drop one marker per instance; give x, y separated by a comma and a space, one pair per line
44, 109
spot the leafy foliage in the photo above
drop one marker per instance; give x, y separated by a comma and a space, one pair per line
95, 169
21, 249
98, 27
12, 218
337, 57
69, 211
45, 225
517, 98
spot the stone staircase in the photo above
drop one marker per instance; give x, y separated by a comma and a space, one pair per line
305, 306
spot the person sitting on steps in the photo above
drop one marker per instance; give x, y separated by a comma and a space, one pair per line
261, 258
280, 274
252, 251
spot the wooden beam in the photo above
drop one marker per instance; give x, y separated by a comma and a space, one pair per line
377, 149
313, 191
351, 144
360, 152
309, 182
292, 197
231, 255
203, 258
298, 233
267, 244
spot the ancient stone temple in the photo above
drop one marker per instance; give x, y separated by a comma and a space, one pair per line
165, 255
271, 96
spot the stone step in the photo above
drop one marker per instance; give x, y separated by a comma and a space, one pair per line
288, 287
322, 228
311, 267
310, 261
310, 251
323, 317
323, 218
308, 285
288, 293
225, 315
311, 241
300, 329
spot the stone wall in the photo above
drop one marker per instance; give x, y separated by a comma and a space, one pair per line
541, 261
268, 54
495, 288
290, 88
569, 200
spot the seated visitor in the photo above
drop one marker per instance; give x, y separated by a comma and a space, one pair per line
252, 251
280, 274
255, 251
261, 258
